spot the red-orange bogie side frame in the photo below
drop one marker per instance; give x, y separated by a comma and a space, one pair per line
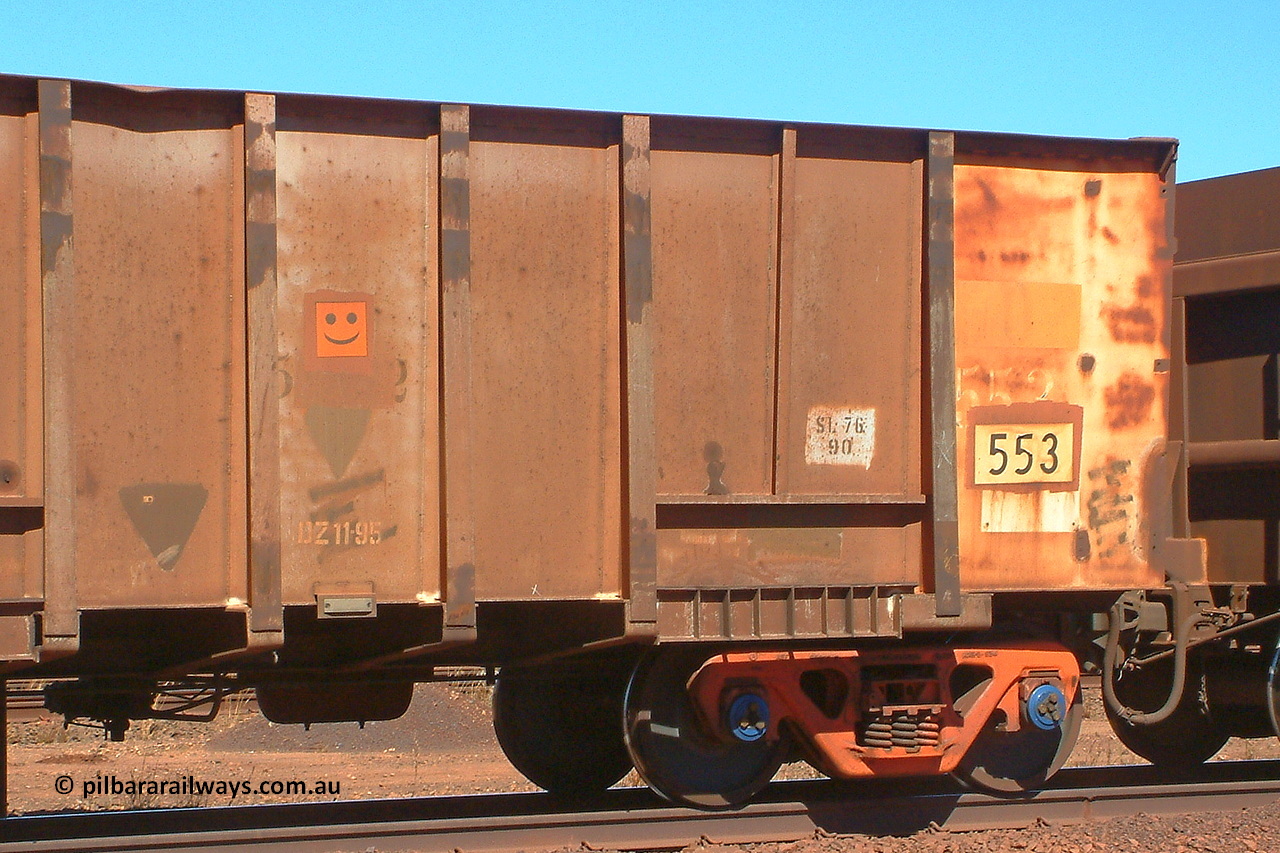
941, 697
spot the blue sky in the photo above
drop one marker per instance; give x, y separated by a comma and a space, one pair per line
1206, 72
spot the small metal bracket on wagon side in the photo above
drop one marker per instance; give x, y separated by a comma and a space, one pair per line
919, 613
345, 600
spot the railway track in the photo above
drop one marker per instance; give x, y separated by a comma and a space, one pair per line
635, 819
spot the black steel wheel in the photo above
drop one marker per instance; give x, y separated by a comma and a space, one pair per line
561, 726
1014, 762
1187, 738
672, 751
1273, 691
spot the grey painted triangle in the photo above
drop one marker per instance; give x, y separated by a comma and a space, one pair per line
337, 432
164, 514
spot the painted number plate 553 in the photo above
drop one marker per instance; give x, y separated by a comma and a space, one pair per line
1014, 454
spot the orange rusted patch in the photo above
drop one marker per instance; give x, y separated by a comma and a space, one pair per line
1023, 337
1129, 401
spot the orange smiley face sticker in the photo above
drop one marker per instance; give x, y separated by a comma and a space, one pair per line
342, 329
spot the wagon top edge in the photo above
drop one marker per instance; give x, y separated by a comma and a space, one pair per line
18, 94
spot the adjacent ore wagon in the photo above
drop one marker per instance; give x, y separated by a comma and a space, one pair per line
719, 441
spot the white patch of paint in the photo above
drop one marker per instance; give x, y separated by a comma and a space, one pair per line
1030, 512
840, 436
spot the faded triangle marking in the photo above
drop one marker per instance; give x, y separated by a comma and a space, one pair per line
338, 433
164, 514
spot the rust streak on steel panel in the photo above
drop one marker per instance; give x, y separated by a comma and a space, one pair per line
849, 395
160, 402
942, 360
21, 422
457, 507
57, 271
431, 494
547, 362
1062, 300
715, 257
640, 457
783, 313
21, 483
266, 614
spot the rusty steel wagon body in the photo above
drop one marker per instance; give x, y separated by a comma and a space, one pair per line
714, 438
1228, 277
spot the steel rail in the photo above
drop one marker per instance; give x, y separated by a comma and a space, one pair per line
634, 819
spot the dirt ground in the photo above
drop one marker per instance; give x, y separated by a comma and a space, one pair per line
445, 745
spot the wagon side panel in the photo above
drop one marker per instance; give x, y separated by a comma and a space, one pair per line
715, 276
21, 421
545, 445
358, 328
158, 378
